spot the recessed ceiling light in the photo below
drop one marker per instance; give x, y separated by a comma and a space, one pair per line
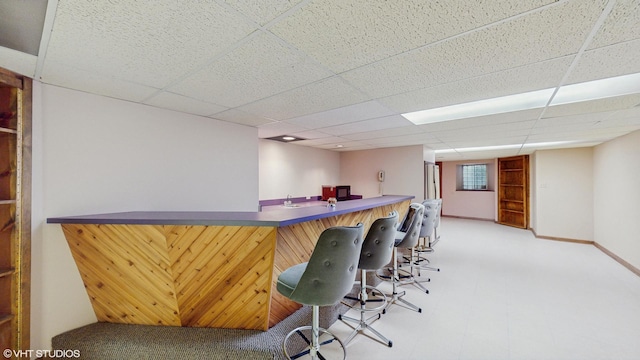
339, 145
590, 90
285, 138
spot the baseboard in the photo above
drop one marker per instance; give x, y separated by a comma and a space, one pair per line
615, 257
554, 238
465, 217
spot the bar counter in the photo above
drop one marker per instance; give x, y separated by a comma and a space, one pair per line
203, 269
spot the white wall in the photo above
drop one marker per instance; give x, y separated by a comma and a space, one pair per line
564, 193
93, 154
289, 169
403, 166
617, 197
468, 204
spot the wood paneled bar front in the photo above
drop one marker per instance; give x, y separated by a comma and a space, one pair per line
203, 269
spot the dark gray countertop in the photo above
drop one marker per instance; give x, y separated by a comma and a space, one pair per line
277, 217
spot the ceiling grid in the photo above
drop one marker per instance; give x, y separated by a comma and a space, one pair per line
341, 72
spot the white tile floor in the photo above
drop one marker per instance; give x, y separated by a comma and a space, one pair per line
503, 294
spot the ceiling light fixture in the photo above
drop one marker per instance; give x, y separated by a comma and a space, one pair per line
506, 147
285, 138
590, 90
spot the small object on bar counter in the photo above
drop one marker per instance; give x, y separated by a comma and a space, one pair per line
331, 202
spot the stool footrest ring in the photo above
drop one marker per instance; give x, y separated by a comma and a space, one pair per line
303, 347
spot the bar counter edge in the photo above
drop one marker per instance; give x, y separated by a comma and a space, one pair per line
277, 218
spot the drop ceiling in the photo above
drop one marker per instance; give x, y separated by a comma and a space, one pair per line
340, 72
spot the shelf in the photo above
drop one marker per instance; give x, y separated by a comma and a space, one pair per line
513, 201
513, 211
510, 169
5, 318
7, 202
511, 185
6, 130
7, 272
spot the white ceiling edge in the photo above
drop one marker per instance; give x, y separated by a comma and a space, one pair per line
18, 62
47, 28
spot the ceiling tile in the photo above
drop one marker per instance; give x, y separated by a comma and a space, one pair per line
481, 134
316, 97
259, 68
392, 132
526, 40
610, 61
541, 75
343, 115
61, 75
484, 141
277, 129
311, 134
575, 120
493, 154
323, 141
345, 34
574, 138
183, 104
241, 117
632, 113
367, 125
622, 24
142, 43
404, 140
585, 107
353, 147
482, 121
262, 11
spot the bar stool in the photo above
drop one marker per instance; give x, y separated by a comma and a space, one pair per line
377, 249
406, 237
325, 279
436, 227
426, 233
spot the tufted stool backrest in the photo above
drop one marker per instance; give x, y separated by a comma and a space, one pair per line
409, 232
332, 268
378, 244
429, 218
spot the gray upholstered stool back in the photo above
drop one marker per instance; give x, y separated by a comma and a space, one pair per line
409, 232
438, 211
429, 218
378, 244
331, 270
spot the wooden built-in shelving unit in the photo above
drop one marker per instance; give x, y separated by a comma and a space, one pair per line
15, 219
513, 191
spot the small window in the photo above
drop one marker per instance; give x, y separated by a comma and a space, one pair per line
474, 177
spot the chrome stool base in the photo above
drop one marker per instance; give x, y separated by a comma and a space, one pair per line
394, 276
364, 323
326, 342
